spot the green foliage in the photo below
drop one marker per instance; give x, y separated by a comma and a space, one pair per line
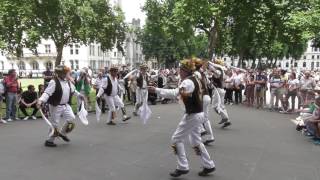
24, 22
244, 29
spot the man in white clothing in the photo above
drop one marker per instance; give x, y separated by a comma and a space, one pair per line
190, 91
58, 94
110, 89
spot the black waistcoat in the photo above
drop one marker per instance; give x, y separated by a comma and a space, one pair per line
108, 90
194, 103
55, 98
218, 82
140, 80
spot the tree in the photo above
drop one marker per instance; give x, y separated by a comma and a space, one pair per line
79, 21
15, 28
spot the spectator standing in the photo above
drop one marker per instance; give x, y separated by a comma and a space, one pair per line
29, 100
250, 89
83, 87
12, 86
47, 76
260, 87
238, 87
307, 86
275, 85
293, 85
2, 92
229, 84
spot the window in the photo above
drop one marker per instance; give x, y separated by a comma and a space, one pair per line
93, 64
1, 65
91, 49
115, 54
77, 48
318, 57
224, 59
35, 65
304, 57
47, 48
287, 64
312, 57
317, 64
295, 64
71, 64
21, 65
77, 64
312, 65
99, 51
304, 64
71, 49
49, 65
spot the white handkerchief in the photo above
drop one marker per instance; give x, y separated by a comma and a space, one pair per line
83, 114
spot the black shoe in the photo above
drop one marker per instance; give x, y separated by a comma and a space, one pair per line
206, 171
178, 173
50, 144
207, 142
226, 124
204, 133
126, 118
223, 121
111, 123
63, 137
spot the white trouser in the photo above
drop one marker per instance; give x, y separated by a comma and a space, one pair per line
56, 113
218, 103
207, 125
190, 127
141, 97
112, 102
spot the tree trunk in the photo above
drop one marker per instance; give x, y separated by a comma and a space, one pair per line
212, 37
59, 49
240, 59
253, 64
275, 63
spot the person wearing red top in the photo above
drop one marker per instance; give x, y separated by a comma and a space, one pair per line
12, 86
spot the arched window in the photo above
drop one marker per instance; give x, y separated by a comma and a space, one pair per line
49, 65
1, 65
287, 64
304, 64
22, 65
35, 65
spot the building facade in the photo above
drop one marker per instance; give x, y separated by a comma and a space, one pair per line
76, 55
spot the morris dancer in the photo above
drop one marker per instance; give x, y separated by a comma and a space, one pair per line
141, 91
218, 98
206, 129
110, 89
190, 91
58, 94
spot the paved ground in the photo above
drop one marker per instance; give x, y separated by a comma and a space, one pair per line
259, 146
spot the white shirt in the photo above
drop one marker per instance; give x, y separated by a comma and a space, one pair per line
293, 83
115, 84
98, 82
186, 84
65, 91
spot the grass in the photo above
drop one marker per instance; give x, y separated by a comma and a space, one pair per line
26, 82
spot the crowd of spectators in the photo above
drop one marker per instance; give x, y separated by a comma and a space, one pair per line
277, 90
